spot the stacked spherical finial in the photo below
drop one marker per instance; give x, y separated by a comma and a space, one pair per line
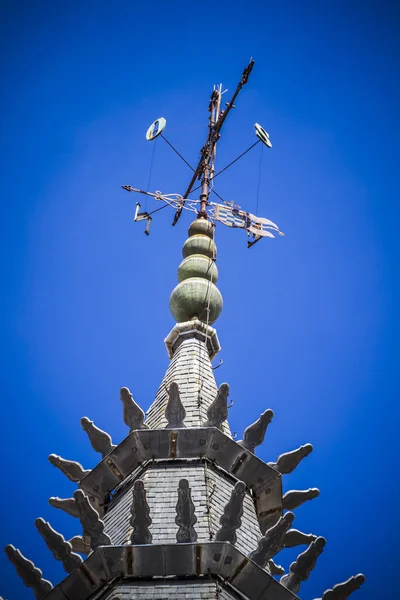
196, 296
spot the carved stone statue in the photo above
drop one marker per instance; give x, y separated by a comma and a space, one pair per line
132, 413
185, 517
273, 541
140, 511
92, 525
61, 549
342, 591
30, 575
300, 569
230, 521
66, 504
286, 463
296, 498
218, 410
100, 440
72, 469
294, 537
175, 412
254, 434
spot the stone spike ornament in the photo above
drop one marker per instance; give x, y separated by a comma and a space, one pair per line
301, 568
72, 469
286, 463
273, 541
218, 411
231, 520
140, 511
342, 591
185, 517
294, 538
92, 525
133, 415
254, 434
175, 412
30, 575
61, 549
100, 440
275, 569
296, 498
79, 545
68, 505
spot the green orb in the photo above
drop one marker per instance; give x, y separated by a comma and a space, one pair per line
199, 244
191, 298
201, 226
198, 265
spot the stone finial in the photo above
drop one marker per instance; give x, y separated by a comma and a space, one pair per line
100, 440
342, 591
286, 463
301, 568
275, 569
175, 412
296, 498
218, 410
254, 434
140, 511
61, 549
92, 525
72, 469
132, 413
79, 545
273, 541
185, 517
66, 504
30, 575
294, 537
231, 520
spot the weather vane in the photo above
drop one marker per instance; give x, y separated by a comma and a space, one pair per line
227, 213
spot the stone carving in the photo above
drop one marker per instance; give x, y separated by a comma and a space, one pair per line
100, 440
254, 434
79, 545
231, 519
92, 525
286, 463
294, 537
140, 520
273, 541
61, 549
342, 591
132, 413
301, 568
185, 517
72, 469
218, 411
66, 504
296, 498
175, 412
275, 569
30, 575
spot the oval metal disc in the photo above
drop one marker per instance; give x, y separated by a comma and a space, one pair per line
156, 128
262, 135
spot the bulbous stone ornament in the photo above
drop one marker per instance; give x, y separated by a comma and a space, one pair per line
72, 469
342, 591
294, 538
140, 511
231, 519
30, 575
61, 549
185, 516
92, 525
66, 504
254, 434
273, 541
296, 498
133, 415
301, 568
286, 463
100, 440
175, 412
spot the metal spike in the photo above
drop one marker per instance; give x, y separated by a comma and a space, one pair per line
100, 440
254, 434
72, 469
286, 463
66, 504
175, 412
61, 549
133, 415
30, 575
92, 525
231, 520
300, 569
296, 498
218, 410
273, 541
140, 511
185, 517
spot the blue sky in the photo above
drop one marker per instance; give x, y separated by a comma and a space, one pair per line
310, 321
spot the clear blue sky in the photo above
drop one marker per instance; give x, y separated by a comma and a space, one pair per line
310, 322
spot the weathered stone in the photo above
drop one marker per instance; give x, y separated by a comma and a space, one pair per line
30, 575
61, 549
79, 545
342, 591
72, 469
275, 569
230, 521
294, 537
254, 434
100, 440
140, 520
185, 517
218, 411
175, 411
92, 525
286, 463
301, 568
296, 498
273, 541
133, 415
66, 504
